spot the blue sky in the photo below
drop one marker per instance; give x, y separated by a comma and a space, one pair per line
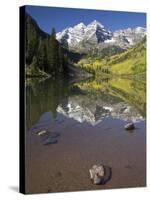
60, 18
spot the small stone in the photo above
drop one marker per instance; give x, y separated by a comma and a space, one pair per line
129, 126
41, 132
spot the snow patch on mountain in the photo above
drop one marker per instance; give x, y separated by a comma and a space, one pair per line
96, 34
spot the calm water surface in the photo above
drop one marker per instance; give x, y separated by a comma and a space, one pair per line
84, 124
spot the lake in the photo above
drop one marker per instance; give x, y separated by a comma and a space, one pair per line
73, 124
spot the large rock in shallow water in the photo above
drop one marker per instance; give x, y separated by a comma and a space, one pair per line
129, 126
97, 173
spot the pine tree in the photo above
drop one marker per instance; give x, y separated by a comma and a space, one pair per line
31, 40
65, 64
53, 53
61, 59
47, 59
42, 57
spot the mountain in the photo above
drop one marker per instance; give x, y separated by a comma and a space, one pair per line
132, 61
90, 47
82, 38
93, 32
44, 55
129, 37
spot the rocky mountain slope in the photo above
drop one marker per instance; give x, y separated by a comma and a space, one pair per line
132, 61
83, 38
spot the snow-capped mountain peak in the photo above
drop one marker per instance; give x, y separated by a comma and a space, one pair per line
83, 37
80, 25
95, 23
140, 29
94, 32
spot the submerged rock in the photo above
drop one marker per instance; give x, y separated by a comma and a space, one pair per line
50, 141
51, 134
48, 137
97, 173
129, 126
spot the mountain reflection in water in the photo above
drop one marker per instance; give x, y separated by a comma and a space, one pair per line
88, 101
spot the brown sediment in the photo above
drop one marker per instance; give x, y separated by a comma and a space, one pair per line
64, 166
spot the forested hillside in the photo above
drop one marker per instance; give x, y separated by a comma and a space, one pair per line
44, 55
131, 61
